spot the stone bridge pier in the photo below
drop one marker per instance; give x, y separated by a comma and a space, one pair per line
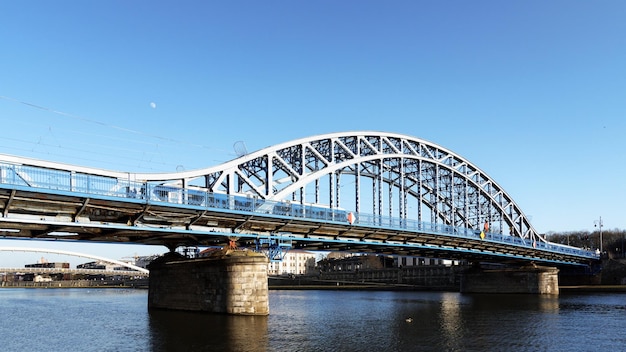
230, 282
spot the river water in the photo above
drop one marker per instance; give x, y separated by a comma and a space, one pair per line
118, 320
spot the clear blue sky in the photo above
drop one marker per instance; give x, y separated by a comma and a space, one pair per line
532, 92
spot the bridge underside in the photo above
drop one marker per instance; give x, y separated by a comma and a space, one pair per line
50, 215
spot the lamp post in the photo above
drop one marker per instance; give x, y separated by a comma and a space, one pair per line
598, 223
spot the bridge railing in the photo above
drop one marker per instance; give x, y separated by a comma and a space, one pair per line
61, 180
70, 181
456, 231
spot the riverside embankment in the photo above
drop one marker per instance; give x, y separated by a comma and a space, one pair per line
139, 283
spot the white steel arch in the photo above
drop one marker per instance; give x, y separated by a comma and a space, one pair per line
390, 174
73, 254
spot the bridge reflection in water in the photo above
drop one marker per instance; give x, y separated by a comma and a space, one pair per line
117, 320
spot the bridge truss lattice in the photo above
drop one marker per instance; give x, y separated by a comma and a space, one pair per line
373, 174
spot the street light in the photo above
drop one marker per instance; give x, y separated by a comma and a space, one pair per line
598, 223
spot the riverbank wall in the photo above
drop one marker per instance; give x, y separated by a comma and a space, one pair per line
138, 283
433, 278
291, 283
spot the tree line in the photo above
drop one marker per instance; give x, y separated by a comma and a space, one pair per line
613, 241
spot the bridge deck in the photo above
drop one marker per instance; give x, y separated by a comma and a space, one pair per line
40, 213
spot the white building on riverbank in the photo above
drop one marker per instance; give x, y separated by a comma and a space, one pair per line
296, 262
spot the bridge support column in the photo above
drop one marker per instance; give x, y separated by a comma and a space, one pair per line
534, 279
234, 282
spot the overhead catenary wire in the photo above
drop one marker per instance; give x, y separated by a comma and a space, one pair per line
49, 152
104, 124
151, 152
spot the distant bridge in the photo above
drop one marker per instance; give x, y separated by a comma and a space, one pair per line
366, 192
73, 271
74, 254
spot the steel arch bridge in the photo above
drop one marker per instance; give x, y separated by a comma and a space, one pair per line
359, 191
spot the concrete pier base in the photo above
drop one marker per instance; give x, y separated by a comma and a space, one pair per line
534, 279
233, 282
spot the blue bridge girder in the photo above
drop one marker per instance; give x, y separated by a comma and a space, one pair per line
290, 192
